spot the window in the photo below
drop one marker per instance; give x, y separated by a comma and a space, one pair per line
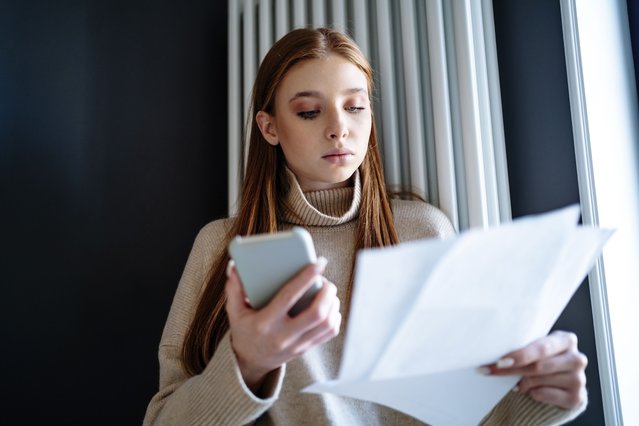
604, 109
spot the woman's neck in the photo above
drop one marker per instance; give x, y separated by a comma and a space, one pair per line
323, 207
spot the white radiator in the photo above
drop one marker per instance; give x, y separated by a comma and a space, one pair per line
437, 102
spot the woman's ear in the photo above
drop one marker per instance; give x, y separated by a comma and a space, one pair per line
266, 123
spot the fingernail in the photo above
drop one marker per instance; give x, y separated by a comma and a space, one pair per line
229, 267
483, 370
321, 263
505, 363
515, 389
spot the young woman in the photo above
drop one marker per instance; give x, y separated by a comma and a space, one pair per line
313, 161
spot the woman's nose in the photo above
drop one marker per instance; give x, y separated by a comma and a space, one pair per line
336, 128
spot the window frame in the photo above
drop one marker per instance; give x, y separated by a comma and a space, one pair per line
609, 278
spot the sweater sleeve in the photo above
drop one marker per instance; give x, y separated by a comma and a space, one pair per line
416, 220
518, 409
218, 395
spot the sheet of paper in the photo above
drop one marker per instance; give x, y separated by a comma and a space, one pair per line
425, 314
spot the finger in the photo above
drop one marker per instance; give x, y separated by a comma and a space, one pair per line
332, 330
559, 397
322, 333
230, 269
235, 304
569, 361
319, 310
546, 347
317, 340
296, 287
566, 381
333, 319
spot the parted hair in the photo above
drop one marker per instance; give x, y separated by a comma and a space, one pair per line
265, 184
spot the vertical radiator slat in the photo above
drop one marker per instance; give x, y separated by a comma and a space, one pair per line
249, 56
455, 114
471, 131
299, 13
388, 98
497, 120
266, 27
234, 105
441, 111
338, 14
400, 95
319, 13
476, 29
417, 154
426, 99
281, 18
360, 29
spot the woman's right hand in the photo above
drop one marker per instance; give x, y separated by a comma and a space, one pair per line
265, 339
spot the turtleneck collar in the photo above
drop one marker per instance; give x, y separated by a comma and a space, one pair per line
321, 208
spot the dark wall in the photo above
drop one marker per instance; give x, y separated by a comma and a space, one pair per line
539, 142
633, 18
112, 156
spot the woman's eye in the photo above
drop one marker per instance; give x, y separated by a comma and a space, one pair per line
355, 109
308, 115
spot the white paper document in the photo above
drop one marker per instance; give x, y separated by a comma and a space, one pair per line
425, 314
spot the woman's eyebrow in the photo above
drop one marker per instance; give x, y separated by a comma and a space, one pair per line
317, 94
306, 94
355, 90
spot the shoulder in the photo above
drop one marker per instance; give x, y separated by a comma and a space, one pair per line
417, 219
209, 244
216, 228
212, 237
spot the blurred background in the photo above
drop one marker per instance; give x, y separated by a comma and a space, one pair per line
113, 150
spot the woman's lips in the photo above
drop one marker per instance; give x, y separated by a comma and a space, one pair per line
337, 156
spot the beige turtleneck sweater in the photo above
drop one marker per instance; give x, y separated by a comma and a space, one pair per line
218, 396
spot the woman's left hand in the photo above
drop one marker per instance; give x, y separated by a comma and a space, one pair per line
552, 367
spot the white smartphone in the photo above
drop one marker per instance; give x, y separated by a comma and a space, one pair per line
267, 261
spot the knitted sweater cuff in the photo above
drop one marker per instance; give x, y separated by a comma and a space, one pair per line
227, 388
518, 409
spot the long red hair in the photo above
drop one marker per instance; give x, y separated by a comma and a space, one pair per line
265, 184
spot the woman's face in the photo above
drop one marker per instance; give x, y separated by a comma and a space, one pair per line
322, 121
